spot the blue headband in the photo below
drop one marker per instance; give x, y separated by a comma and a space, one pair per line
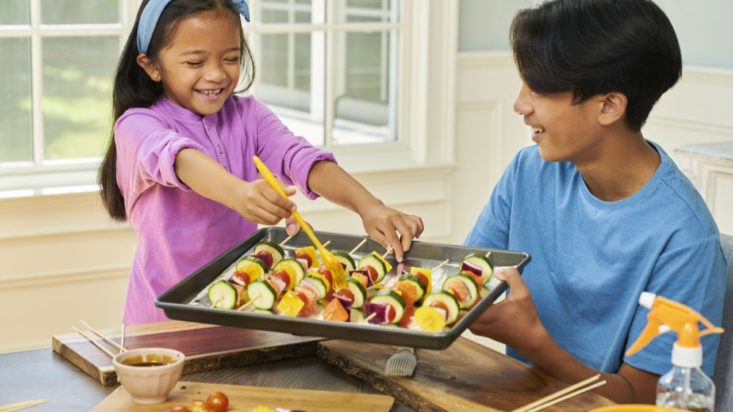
151, 13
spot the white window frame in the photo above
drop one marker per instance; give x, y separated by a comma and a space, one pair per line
427, 33
42, 176
427, 100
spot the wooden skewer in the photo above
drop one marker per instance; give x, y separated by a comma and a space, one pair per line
93, 342
286, 240
387, 253
368, 318
106, 339
556, 397
568, 396
440, 265
122, 335
357, 246
326, 243
249, 303
21, 405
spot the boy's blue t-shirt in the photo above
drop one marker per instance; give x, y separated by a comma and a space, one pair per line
591, 259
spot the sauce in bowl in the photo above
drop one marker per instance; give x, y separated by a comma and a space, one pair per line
149, 359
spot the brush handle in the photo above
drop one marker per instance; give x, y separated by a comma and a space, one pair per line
273, 182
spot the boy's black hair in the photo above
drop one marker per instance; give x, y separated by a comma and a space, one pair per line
589, 47
133, 88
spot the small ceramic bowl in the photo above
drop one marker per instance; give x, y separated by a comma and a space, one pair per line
149, 374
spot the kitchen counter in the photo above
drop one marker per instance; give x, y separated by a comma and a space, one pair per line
722, 151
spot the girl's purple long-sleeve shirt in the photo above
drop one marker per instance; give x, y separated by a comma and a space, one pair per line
179, 231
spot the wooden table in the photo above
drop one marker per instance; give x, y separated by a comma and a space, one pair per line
42, 374
466, 376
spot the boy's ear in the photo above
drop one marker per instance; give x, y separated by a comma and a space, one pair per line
150, 67
613, 108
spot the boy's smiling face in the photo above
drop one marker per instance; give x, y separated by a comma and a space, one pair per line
200, 67
563, 130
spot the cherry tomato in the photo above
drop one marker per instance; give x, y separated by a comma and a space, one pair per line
373, 275
326, 272
306, 257
180, 408
218, 401
345, 294
283, 275
241, 278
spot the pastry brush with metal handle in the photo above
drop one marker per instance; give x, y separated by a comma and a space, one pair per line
401, 363
337, 270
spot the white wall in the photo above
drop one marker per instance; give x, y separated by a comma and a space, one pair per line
703, 28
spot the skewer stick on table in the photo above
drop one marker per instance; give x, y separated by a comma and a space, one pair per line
93, 342
106, 339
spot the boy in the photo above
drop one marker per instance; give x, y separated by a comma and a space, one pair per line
604, 213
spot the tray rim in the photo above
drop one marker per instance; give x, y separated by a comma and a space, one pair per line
174, 309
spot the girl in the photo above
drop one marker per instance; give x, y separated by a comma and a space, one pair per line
179, 164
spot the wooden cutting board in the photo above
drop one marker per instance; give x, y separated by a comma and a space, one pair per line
244, 398
205, 346
466, 376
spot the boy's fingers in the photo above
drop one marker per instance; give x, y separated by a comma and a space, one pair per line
514, 281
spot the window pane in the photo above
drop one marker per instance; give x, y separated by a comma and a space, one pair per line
282, 11
368, 11
273, 51
365, 105
77, 95
369, 4
16, 142
79, 11
14, 12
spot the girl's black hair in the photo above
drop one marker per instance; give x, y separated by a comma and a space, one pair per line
589, 47
133, 87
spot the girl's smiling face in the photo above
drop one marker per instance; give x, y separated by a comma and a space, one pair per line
200, 66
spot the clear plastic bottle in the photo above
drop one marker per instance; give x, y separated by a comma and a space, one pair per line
687, 389
684, 387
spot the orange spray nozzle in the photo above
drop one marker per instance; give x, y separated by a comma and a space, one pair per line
666, 315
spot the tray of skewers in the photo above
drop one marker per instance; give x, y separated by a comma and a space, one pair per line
279, 283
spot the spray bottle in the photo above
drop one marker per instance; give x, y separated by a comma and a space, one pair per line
685, 386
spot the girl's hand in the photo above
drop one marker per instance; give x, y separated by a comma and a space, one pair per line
514, 320
259, 203
392, 229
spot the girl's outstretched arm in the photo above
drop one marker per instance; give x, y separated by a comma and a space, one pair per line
389, 227
256, 201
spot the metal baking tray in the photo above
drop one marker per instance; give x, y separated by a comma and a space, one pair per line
180, 301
